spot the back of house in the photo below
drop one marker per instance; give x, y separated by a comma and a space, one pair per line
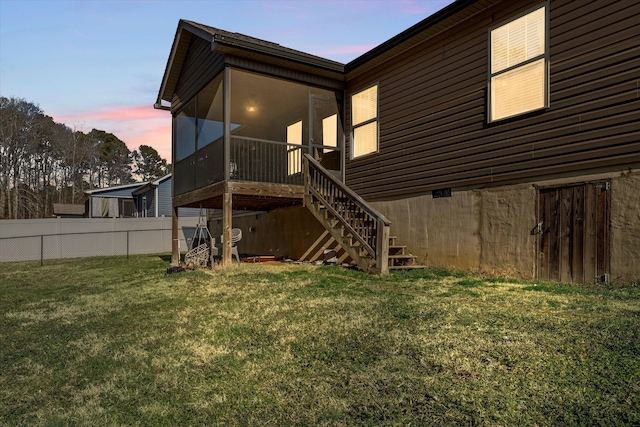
501, 137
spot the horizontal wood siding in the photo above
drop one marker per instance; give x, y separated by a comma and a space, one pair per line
284, 72
200, 66
433, 99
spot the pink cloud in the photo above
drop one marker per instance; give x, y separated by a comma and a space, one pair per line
135, 125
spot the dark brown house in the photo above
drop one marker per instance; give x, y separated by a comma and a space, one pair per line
494, 136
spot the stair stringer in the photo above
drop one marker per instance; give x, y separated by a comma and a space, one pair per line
365, 263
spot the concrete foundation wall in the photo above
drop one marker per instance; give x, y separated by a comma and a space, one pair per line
489, 231
507, 216
486, 231
477, 230
285, 232
625, 228
441, 232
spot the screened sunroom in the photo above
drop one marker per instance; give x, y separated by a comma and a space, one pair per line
245, 111
271, 123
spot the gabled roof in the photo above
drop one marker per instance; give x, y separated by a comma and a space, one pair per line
245, 46
109, 189
237, 44
136, 187
150, 185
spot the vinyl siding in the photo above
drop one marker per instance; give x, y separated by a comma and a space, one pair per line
200, 66
432, 106
164, 198
151, 204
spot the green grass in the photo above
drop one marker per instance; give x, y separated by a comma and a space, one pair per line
115, 341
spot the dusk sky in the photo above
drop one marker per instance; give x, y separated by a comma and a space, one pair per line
99, 63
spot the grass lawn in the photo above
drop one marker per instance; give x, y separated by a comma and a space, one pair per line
114, 341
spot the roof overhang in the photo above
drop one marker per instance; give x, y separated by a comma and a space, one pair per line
239, 45
119, 187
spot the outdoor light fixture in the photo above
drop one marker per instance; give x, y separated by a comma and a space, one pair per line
252, 106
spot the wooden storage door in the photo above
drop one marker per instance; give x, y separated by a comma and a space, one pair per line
573, 243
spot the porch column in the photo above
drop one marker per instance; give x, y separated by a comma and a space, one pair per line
227, 209
175, 250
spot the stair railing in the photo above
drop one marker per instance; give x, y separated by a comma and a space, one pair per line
368, 226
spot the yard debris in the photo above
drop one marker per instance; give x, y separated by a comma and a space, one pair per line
259, 258
175, 269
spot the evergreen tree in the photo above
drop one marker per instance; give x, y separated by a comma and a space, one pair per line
148, 164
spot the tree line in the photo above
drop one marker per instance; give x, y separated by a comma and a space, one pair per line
43, 162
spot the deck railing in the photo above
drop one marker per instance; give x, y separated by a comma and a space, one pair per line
261, 160
251, 159
368, 226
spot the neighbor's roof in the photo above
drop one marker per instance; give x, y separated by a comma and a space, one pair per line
150, 185
108, 189
68, 209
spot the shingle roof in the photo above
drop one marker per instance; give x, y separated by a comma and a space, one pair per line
451, 15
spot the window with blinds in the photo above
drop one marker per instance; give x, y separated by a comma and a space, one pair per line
518, 66
364, 121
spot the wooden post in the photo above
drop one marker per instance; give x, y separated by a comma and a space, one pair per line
175, 249
382, 248
227, 209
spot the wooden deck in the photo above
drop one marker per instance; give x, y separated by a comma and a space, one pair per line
244, 195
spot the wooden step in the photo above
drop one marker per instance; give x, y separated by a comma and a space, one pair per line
397, 250
398, 260
411, 257
407, 267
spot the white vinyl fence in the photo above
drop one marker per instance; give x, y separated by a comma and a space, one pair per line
43, 239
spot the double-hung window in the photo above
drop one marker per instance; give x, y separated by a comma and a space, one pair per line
519, 81
364, 122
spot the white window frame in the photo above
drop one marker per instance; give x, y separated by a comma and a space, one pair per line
544, 57
366, 122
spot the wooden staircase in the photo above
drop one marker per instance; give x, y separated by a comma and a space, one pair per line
356, 226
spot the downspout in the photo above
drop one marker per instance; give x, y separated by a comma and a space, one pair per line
155, 193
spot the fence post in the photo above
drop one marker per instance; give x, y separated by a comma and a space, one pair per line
41, 250
127, 244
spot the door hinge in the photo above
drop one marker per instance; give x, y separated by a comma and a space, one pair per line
606, 186
603, 278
